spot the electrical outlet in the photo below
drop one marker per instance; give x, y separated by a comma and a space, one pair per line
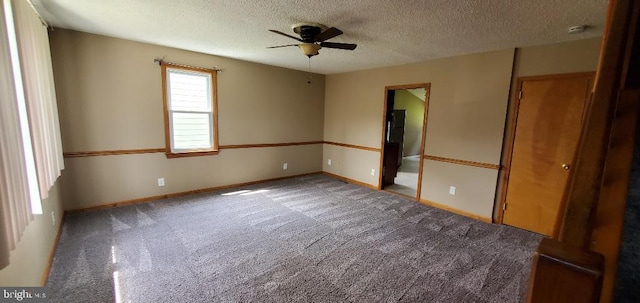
284, 166
53, 218
452, 190
329, 162
160, 181
373, 171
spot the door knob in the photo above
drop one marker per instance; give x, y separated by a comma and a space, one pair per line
566, 166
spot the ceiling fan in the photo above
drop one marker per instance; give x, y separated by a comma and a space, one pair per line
313, 37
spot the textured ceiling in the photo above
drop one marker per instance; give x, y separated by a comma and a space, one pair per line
387, 32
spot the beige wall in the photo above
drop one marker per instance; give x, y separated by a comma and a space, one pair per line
107, 179
468, 101
475, 187
110, 98
560, 58
413, 121
109, 94
30, 258
467, 113
355, 164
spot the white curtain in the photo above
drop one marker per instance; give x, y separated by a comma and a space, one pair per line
40, 95
14, 189
30, 146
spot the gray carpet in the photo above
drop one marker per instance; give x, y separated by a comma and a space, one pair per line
306, 239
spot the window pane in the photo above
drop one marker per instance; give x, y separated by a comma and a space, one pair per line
189, 91
191, 131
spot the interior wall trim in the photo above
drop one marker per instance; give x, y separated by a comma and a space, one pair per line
456, 211
221, 147
113, 152
348, 180
180, 194
269, 145
162, 150
463, 162
373, 149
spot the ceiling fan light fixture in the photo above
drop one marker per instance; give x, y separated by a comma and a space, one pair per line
309, 49
313, 37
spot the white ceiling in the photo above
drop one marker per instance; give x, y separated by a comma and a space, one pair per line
387, 32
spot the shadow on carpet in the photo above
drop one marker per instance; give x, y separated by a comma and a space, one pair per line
305, 239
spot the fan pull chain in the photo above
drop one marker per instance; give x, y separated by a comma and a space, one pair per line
309, 81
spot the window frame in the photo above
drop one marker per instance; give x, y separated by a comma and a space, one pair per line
168, 122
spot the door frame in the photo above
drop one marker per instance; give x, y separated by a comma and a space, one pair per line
510, 128
427, 89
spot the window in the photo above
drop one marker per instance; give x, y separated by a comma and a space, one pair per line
190, 110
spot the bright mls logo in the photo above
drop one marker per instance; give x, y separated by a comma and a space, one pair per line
24, 294
18, 295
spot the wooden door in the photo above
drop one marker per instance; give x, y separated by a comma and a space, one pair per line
547, 131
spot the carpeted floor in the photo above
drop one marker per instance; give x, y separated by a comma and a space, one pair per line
306, 239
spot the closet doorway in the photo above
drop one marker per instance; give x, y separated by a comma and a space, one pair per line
404, 125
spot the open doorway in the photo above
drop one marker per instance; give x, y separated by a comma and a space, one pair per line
404, 130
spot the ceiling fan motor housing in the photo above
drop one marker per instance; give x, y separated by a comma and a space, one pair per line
308, 33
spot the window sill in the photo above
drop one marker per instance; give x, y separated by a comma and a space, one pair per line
171, 155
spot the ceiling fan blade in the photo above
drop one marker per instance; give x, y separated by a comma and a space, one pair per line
286, 35
347, 46
279, 46
328, 34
